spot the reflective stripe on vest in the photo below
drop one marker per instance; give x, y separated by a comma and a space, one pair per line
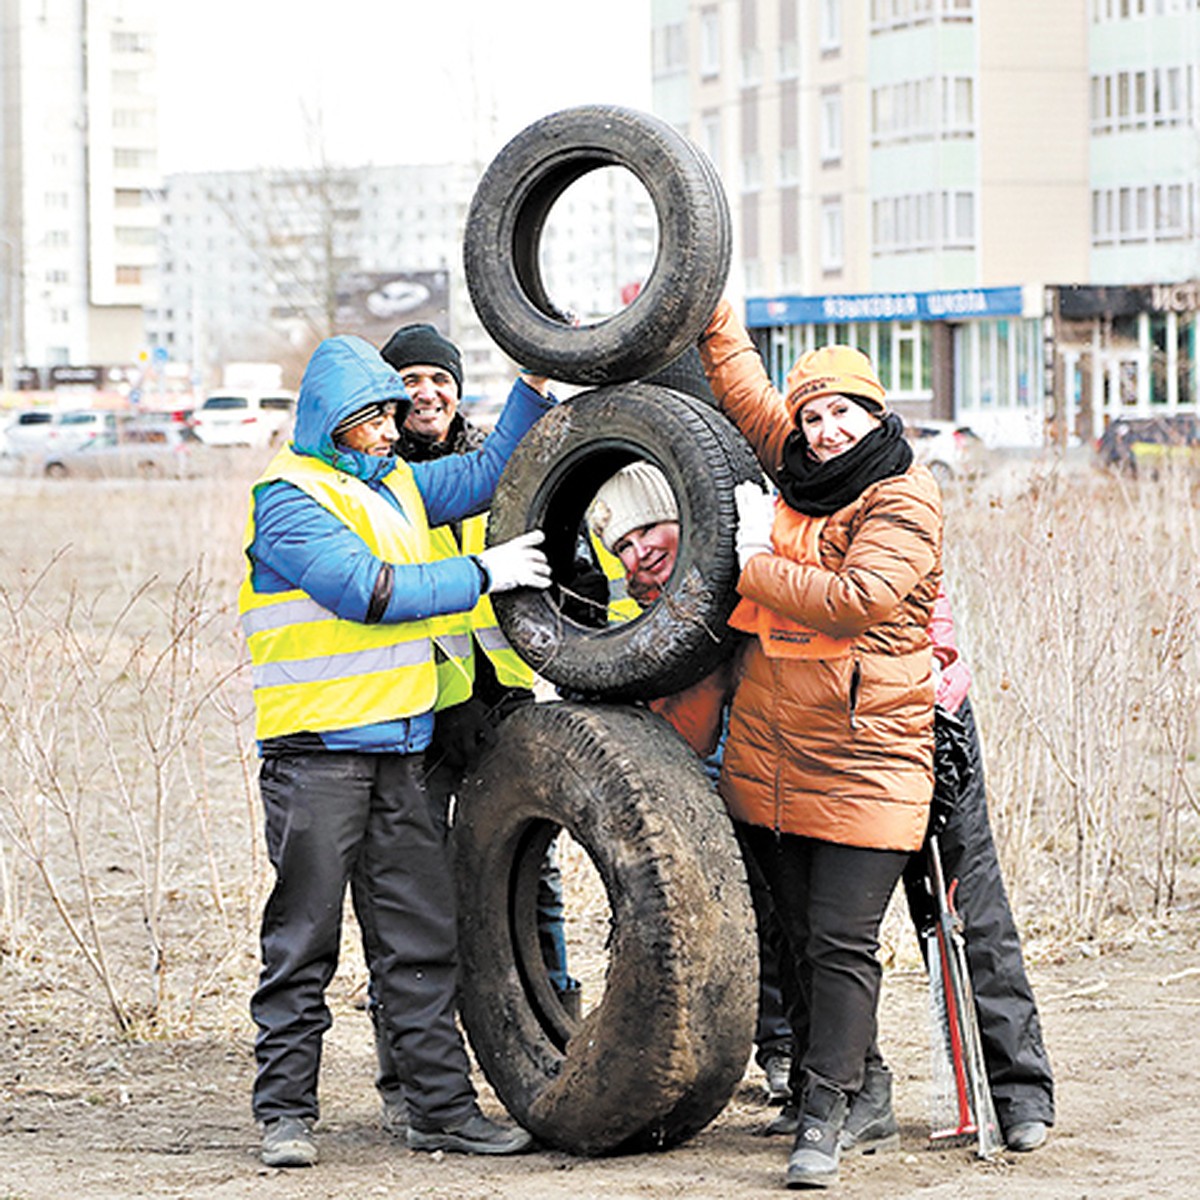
313, 671
511, 669
455, 653
621, 605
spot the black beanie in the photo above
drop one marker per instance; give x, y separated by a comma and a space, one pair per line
419, 344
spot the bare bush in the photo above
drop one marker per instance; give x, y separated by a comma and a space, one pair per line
1078, 608
131, 865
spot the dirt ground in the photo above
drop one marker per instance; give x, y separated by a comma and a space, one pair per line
112, 1119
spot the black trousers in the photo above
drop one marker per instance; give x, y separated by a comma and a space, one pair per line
1018, 1067
361, 820
830, 901
776, 983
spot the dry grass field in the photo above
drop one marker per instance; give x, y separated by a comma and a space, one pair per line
132, 868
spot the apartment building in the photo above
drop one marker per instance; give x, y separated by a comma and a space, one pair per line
997, 202
78, 210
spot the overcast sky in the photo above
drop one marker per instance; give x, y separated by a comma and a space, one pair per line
246, 83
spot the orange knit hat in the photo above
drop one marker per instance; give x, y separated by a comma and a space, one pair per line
830, 371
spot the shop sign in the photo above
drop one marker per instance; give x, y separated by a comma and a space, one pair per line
954, 305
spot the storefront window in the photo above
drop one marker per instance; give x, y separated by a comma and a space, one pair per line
1003, 365
1185, 358
1160, 360
883, 358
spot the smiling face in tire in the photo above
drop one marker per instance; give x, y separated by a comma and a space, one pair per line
648, 556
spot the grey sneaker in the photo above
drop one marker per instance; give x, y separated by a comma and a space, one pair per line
1025, 1136
475, 1135
778, 1069
289, 1142
393, 1116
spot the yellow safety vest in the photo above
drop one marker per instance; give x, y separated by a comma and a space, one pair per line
621, 606
511, 669
312, 670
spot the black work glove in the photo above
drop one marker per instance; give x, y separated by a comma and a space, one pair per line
461, 734
952, 767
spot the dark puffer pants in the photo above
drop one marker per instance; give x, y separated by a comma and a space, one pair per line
334, 819
1018, 1067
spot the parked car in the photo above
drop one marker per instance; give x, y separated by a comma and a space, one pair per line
75, 426
234, 418
166, 450
1145, 443
949, 450
24, 432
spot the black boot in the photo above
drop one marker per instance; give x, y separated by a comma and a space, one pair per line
871, 1122
814, 1160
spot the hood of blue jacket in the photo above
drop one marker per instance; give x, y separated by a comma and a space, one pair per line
344, 374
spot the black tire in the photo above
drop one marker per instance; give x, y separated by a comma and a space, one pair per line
548, 484
661, 1053
508, 213
56, 470
685, 374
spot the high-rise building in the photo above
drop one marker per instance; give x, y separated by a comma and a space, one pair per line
78, 207
997, 201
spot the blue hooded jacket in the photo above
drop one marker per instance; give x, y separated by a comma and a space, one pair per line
300, 544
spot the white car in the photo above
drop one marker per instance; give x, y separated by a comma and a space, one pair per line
949, 450
149, 450
25, 432
237, 418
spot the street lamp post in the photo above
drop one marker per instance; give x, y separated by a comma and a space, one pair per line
10, 318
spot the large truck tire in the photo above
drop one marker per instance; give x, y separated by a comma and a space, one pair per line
662, 1051
548, 483
508, 214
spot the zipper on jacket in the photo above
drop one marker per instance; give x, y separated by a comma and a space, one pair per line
775, 726
855, 683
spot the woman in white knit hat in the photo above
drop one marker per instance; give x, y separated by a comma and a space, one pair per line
635, 517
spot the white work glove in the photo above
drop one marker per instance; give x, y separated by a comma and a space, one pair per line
516, 563
755, 517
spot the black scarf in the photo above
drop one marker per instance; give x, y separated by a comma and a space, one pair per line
819, 488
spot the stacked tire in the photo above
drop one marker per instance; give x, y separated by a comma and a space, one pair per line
661, 1053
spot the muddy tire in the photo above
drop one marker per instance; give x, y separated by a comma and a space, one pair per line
661, 1053
548, 484
508, 214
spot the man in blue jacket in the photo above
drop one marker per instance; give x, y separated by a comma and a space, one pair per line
354, 633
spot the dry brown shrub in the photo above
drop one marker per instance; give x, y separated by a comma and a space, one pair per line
1077, 604
131, 866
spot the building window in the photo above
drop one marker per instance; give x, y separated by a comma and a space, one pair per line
710, 42
901, 14
670, 48
1143, 213
833, 250
902, 112
125, 157
124, 42
831, 26
958, 106
958, 220
129, 275
831, 125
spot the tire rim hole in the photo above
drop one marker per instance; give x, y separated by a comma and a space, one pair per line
585, 293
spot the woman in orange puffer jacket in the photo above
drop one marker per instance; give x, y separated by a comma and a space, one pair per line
828, 765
